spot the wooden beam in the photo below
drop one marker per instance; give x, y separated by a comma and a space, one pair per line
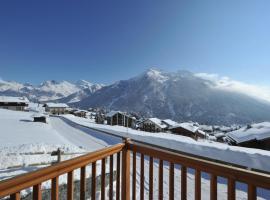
142, 178
151, 178
83, 183
252, 192
15, 196
231, 189
111, 179
197, 184
103, 174
55, 189
160, 180
118, 177
126, 172
213, 189
134, 175
93, 185
37, 192
70, 186
171, 182
183, 183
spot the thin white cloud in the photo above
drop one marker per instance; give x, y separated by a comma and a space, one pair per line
225, 83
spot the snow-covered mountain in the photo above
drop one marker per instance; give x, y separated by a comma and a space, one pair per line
50, 90
180, 96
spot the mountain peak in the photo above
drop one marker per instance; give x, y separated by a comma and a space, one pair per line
156, 74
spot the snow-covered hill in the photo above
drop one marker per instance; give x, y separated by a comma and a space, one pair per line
181, 96
50, 90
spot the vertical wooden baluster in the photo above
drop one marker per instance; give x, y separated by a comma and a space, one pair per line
134, 176
103, 174
55, 189
171, 182
142, 178
82, 183
252, 193
111, 178
93, 192
118, 177
15, 196
151, 178
213, 191
70, 186
231, 189
197, 184
37, 192
183, 183
126, 172
160, 182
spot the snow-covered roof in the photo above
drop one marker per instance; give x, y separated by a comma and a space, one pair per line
170, 122
8, 99
188, 126
56, 105
157, 122
80, 111
258, 131
112, 113
206, 128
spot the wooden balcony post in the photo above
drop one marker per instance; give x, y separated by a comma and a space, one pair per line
37, 192
252, 192
15, 196
70, 186
126, 172
55, 188
83, 183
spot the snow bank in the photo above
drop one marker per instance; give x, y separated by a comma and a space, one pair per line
250, 158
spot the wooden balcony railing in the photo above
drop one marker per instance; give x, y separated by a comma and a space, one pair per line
126, 180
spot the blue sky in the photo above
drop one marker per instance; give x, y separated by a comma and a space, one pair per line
104, 41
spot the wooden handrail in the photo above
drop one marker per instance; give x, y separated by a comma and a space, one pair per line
24, 181
34, 179
239, 174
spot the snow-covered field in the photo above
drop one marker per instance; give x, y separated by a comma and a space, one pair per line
26, 146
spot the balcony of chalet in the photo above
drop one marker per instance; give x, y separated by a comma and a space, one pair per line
154, 166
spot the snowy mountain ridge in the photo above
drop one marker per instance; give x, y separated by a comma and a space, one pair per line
49, 90
182, 96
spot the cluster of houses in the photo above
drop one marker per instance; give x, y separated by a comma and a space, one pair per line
235, 135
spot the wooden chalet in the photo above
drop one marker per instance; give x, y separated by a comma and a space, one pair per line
252, 136
56, 108
188, 129
81, 113
13, 103
120, 119
152, 125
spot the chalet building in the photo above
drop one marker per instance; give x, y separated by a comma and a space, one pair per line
189, 130
169, 123
252, 136
14, 103
81, 113
56, 108
120, 118
152, 125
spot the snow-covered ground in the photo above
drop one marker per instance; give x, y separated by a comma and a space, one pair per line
250, 158
26, 145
